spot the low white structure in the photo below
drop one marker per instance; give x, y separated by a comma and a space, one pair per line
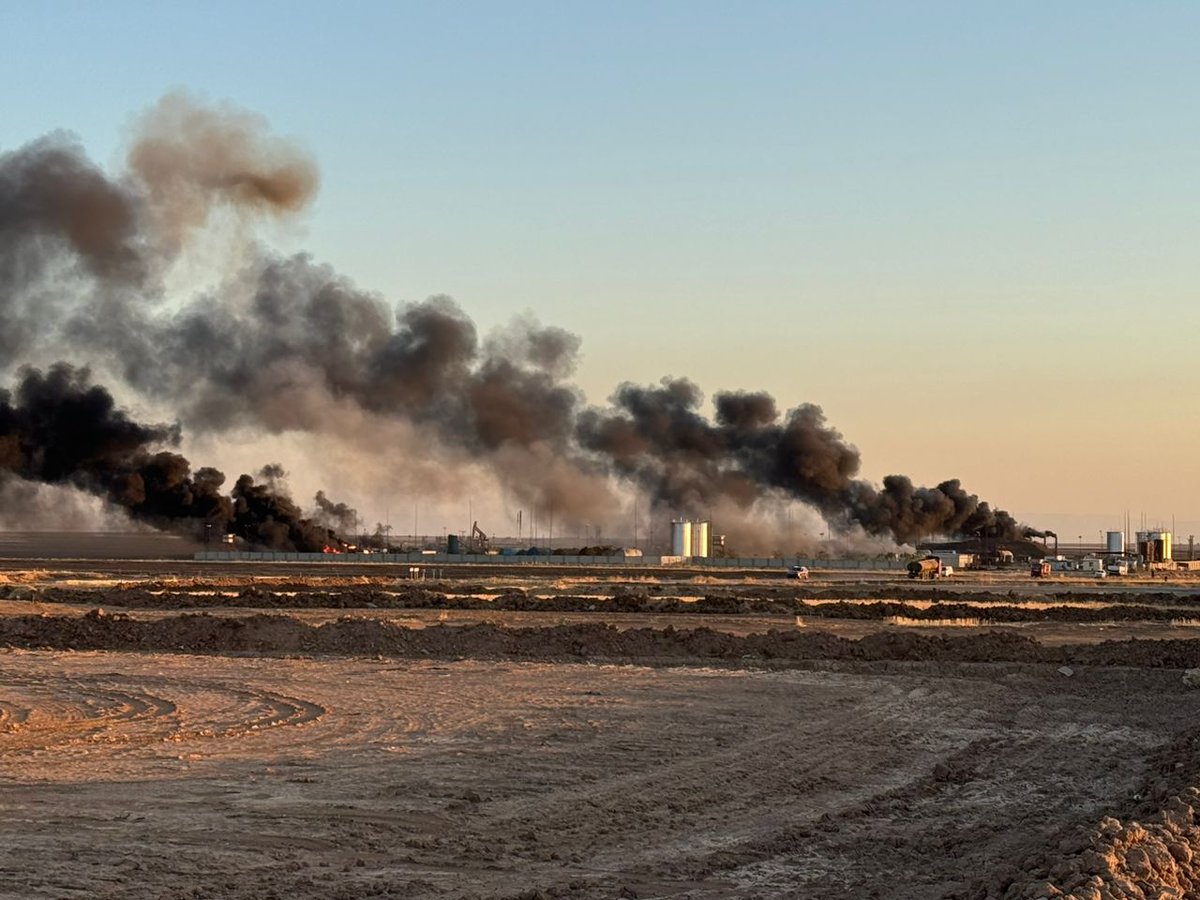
1090, 565
954, 558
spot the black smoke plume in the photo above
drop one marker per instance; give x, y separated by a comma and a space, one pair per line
657, 437
59, 428
285, 344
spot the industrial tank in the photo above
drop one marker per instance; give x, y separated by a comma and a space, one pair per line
1154, 546
1114, 542
700, 539
681, 538
1163, 540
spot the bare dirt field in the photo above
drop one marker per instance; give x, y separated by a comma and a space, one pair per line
223, 734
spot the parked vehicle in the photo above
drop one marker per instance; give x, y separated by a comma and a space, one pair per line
799, 572
930, 567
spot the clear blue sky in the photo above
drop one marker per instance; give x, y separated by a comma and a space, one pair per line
967, 230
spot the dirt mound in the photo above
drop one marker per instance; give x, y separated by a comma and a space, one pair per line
406, 596
989, 647
23, 577
1118, 860
277, 634
904, 593
18, 591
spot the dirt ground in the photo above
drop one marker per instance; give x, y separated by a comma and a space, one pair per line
244, 743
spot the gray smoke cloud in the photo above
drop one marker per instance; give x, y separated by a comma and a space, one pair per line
339, 517
61, 221
36, 506
286, 344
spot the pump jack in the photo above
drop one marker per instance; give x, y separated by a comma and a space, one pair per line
479, 540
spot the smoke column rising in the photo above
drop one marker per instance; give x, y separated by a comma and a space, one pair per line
285, 344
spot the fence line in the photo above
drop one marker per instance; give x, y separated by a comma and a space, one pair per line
444, 559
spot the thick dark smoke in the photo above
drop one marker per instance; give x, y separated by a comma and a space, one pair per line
285, 344
58, 428
267, 517
657, 437
307, 341
1034, 533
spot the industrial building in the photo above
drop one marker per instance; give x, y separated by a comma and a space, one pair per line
955, 558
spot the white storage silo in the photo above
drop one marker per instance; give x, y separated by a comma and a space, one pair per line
1114, 542
681, 538
700, 539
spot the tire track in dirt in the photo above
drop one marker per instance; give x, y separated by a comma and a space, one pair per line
660, 820
1030, 777
60, 712
465, 779
72, 717
12, 717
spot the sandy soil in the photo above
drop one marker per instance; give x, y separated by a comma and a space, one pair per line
278, 747
130, 775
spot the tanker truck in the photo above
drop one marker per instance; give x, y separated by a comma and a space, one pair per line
930, 567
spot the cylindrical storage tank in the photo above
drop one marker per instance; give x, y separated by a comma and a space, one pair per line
681, 538
1114, 542
452, 545
1146, 548
1163, 540
700, 539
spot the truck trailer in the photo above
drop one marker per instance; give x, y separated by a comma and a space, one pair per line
930, 568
